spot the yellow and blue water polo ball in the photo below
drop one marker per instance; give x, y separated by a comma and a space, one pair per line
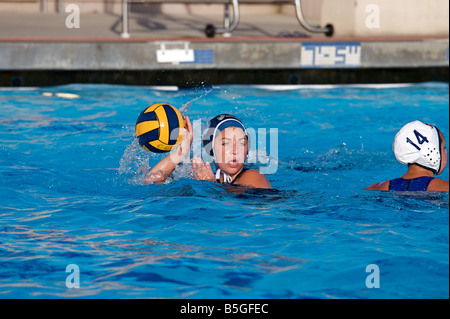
158, 128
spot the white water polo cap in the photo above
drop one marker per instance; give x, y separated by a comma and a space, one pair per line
418, 143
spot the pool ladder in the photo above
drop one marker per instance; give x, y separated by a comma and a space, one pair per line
211, 31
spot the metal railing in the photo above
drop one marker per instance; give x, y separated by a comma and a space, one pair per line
211, 31
44, 6
328, 29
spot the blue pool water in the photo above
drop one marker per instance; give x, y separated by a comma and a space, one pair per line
71, 193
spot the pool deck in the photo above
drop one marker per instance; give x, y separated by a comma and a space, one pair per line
39, 50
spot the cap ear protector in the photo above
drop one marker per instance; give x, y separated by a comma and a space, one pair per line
418, 143
218, 124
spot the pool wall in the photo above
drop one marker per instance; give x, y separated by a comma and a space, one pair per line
190, 62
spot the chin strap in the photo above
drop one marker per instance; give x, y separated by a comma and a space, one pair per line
226, 177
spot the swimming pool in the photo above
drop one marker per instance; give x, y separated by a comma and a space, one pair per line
71, 194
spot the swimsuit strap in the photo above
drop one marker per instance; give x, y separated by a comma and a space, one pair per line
238, 175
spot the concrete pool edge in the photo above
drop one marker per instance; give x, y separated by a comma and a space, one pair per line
193, 61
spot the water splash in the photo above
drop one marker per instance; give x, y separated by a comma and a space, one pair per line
187, 106
134, 162
183, 171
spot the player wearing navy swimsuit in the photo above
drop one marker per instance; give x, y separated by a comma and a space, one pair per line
422, 147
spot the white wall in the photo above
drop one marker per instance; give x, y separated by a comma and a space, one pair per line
396, 17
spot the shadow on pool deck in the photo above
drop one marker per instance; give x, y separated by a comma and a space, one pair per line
34, 25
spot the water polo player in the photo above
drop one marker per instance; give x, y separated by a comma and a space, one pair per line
422, 147
226, 141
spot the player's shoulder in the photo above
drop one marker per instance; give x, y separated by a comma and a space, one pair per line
438, 185
254, 178
383, 186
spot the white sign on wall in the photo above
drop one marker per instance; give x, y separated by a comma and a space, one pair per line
331, 55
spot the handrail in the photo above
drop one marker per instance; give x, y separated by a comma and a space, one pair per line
210, 30
328, 30
44, 6
125, 34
